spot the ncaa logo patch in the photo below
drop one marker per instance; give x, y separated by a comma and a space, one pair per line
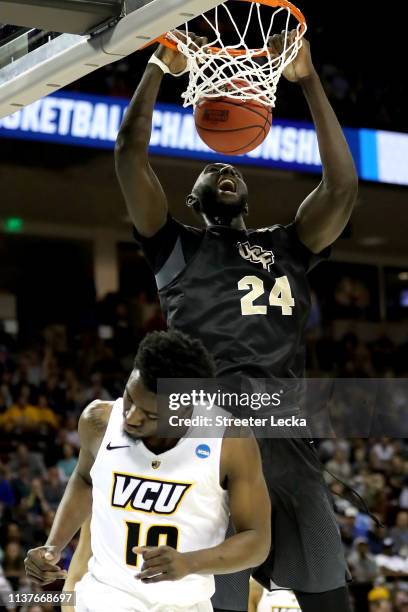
203, 451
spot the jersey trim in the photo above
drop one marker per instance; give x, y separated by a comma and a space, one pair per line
173, 266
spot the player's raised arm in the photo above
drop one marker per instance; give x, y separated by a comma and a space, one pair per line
250, 511
76, 503
145, 198
324, 214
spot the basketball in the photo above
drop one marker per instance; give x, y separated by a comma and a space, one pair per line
231, 126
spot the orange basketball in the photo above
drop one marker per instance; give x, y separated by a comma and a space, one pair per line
231, 126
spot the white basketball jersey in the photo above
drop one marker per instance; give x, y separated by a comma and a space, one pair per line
143, 499
278, 601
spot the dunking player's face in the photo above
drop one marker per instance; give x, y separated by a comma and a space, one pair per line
220, 193
140, 409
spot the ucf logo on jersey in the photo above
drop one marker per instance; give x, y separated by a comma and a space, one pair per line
133, 492
256, 254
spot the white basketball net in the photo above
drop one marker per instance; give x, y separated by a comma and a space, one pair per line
245, 77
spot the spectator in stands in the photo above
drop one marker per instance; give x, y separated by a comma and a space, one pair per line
381, 455
339, 466
362, 563
46, 417
20, 417
68, 463
36, 501
5, 400
28, 586
380, 600
399, 533
54, 393
5, 361
25, 458
376, 537
397, 475
375, 492
27, 371
5, 591
21, 483
389, 562
53, 487
96, 390
403, 498
13, 533
71, 431
401, 600
340, 502
13, 564
347, 526
7, 497
72, 389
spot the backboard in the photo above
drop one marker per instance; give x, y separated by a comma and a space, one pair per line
35, 63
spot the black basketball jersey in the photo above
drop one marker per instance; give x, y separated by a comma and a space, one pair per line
244, 293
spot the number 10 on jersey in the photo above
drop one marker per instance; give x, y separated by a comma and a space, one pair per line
280, 296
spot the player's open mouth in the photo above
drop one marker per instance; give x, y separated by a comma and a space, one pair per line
227, 185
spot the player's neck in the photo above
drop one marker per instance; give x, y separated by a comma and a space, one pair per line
236, 223
159, 445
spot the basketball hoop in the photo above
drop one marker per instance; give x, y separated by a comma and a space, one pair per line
222, 66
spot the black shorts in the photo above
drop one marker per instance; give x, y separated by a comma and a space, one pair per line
307, 552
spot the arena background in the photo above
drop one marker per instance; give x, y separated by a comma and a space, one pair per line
76, 295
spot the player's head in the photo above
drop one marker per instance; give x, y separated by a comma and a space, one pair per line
220, 194
170, 354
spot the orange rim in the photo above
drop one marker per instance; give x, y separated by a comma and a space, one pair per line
164, 40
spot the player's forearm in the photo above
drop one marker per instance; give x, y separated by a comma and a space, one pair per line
339, 170
79, 562
241, 551
74, 509
135, 131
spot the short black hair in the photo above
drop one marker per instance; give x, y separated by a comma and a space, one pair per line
172, 354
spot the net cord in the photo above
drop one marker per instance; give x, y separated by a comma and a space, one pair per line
252, 75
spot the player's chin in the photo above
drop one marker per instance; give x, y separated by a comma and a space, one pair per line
133, 434
228, 197
233, 203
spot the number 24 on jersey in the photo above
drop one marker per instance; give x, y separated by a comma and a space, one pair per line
280, 296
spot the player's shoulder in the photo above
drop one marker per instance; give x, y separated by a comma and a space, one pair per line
269, 229
95, 416
190, 229
238, 446
283, 236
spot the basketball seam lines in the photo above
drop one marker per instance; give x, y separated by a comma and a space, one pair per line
247, 127
232, 151
242, 104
